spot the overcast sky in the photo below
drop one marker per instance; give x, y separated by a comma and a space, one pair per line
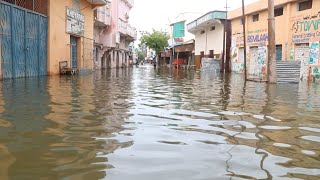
155, 14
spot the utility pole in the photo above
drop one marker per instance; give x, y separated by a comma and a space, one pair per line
244, 41
272, 66
226, 61
224, 42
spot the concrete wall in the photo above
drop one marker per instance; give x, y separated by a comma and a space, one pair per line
59, 40
210, 40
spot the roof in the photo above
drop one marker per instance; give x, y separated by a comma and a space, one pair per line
255, 7
213, 12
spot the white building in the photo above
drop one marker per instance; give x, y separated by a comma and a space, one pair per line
209, 31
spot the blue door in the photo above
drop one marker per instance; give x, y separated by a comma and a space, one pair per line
23, 42
279, 52
73, 42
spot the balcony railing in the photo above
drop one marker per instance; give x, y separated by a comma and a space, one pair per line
130, 3
122, 27
132, 32
102, 16
126, 30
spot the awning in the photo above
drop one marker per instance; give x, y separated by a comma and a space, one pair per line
184, 48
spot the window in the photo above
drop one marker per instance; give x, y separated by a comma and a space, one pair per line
304, 5
212, 28
201, 54
202, 32
241, 21
255, 17
211, 54
278, 12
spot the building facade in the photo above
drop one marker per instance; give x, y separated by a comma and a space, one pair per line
37, 36
209, 35
113, 35
70, 34
23, 38
297, 36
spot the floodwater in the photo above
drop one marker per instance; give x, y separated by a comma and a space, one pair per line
142, 124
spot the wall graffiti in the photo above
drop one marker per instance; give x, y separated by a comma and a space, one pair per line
291, 54
210, 64
257, 65
314, 53
302, 55
237, 59
315, 73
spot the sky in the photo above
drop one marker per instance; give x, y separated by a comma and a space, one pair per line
158, 14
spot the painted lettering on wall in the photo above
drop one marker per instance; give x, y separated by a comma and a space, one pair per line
257, 38
306, 28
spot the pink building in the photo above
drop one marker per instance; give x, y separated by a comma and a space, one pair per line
113, 35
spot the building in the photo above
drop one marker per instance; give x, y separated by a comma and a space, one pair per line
297, 36
23, 38
113, 35
209, 35
71, 34
36, 36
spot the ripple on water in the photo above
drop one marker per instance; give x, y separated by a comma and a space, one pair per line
275, 127
308, 152
282, 145
311, 138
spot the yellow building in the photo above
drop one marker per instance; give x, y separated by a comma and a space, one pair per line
70, 35
297, 35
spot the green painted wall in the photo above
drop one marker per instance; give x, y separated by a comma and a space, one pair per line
179, 29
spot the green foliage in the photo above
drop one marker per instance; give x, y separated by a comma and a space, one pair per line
141, 56
156, 41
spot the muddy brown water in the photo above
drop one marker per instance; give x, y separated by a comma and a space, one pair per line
143, 124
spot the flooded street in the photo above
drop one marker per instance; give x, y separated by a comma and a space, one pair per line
144, 124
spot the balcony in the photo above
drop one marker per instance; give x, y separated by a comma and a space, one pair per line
130, 3
132, 32
126, 30
98, 2
206, 20
102, 17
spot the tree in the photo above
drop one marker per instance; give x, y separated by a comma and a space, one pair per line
156, 41
141, 56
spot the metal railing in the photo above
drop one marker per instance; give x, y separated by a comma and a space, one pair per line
39, 6
132, 31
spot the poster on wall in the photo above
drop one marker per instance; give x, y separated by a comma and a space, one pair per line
303, 55
75, 22
291, 54
314, 53
262, 57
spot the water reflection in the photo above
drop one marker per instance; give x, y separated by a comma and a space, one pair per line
147, 123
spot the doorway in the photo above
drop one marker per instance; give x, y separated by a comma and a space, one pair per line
73, 49
279, 52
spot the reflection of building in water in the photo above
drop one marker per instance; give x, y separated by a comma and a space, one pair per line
7, 159
90, 108
25, 104
271, 130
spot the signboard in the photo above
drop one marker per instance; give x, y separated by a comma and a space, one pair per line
75, 22
305, 28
